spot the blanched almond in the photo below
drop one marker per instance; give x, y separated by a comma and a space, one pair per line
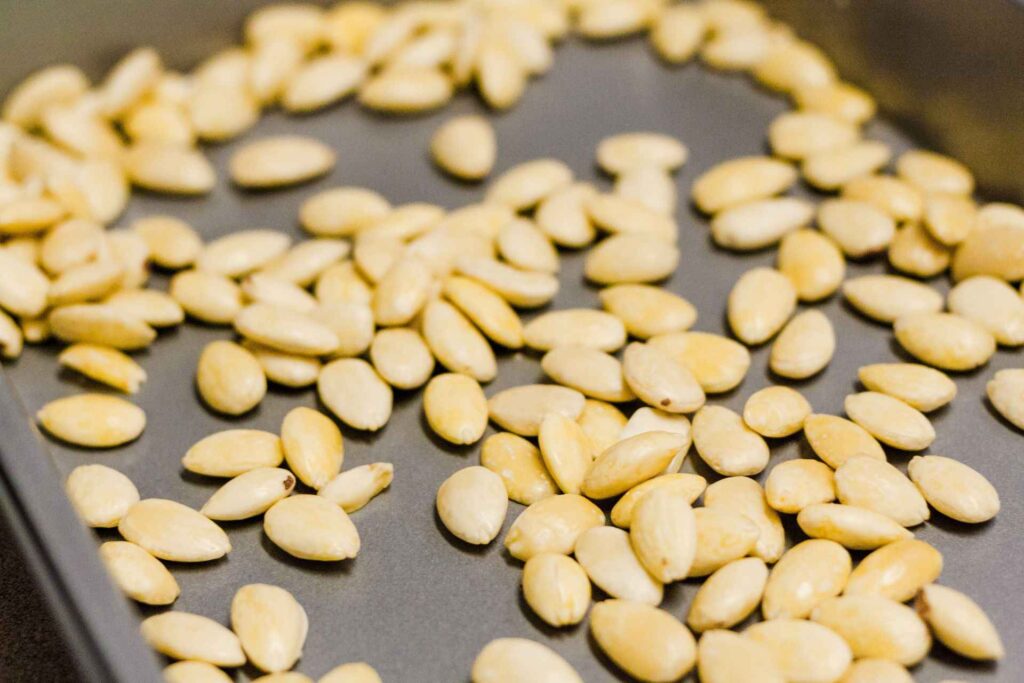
725, 656
805, 650
1006, 393
813, 262
552, 524
831, 169
804, 347
465, 147
105, 365
100, 495
556, 588
798, 134
619, 153
932, 172
456, 408
954, 489
233, 452
591, 372
718, 363
242, 252
169, 169
892, 195
602, 423
874, 626
486, 309
174, 532
896, 571
689, 486
993, 304
761, 223
746, 497
914, 252
610, 562
741, 180
795, 484
630, 462
562, 216
647, 311
581, 326
878, 486
229, 378
505, 660
856, 528
518, 462
271, 625
631, 258
456, 343
141, 576
521, 409
313, 446
523, 186
521, 244
355, 488
660, 380
727, 444
889, 297
835, 440
646, 642
959, 623
776, 411
566, 451
342, 211
918, 386
249, 494
620, 215
807, 574
92, 420
664, 534
723, 536
208, 297
311, 528
997, 251
182, 635
890, 420
759, 304
353, 391
100, 324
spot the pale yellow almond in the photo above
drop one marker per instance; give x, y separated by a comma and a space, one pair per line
70, 243
932, 172
303, 24
996, 214
92, 420
105, 365
151, 306
890, 420
352, 324
402, 292
620, 215
505, 660
130, 252
283, 368
486, 309
171, 531
169, 169
57, 84
526, 35
859, 228
746, 497
660, 380
182, 635
856, 528
648, 311
795, 65
805, 650
323, 81
918, 386
465, 147
718, 363
374, 254
406, 89
959, 623
523, 289
311, 528
896, 571
500, 74
991, 303
25, 248
878, 486
725, 656
221, 111
556, 588
795, 484
689, 486
522, 409
807, 574
128, 80
741, 46
313, 446
776, 411
630, 462
304, 262
520, 466
472, 503
353, 672
591, 372
524, 246
612, 19
353, 391
602, 423
874, 626
100, 495
759, 304
581, 326
566, 451
727, 444
271, 625
525, 185
249, 494
138, 574
354, 488
896, 197
401, 357
233, 452
842, 100
619, 153
562, 216
949, 218
914, 252
456, 408
485, 219
1006, 393
876, 671
229, 378
831, 169
408, 221
741, 180
760, 223
284, 677
804, 347
954, 489
607, 556
888, 297
835, 440
648, 419
455, 343
650, 187
272, 291
342, 211
631, 258
997, 251
663, 533
240, 253
159, 121
81, 132
273, 63
677, 33
27, 215
13, 337
342, 283
796, 135
552, 524
646, 642
208, 297
86, 282
723, 536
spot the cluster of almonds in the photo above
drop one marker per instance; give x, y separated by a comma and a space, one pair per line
443, 286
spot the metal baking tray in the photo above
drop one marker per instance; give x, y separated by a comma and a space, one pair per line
416, 603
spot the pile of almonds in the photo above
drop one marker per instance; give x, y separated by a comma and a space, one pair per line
379, 296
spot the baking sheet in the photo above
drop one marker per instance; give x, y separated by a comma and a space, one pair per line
417, 604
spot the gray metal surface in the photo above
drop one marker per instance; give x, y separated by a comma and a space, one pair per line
417, 604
